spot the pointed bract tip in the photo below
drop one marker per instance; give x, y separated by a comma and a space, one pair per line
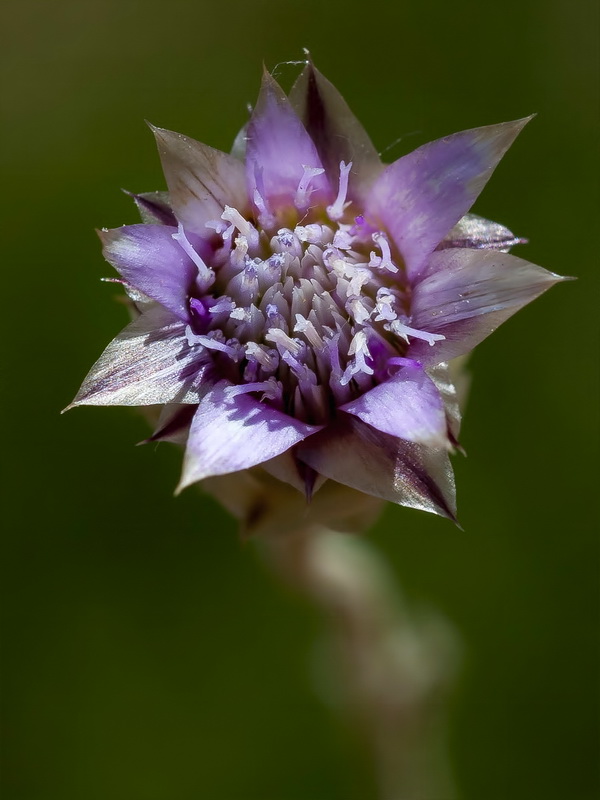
553, 277
515, 127
103, 234
497, 138
185, 482
310, 477
443, 509
270, 91
161, 135
269, 82
455, 446
519, 124
309, 64
505, 133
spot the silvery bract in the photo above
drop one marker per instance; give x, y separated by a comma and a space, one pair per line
299, 303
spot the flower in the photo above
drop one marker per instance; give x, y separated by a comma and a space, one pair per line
299, 301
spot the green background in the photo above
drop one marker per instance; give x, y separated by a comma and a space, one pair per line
147, 654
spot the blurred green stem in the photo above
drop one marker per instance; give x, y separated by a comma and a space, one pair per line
393, 672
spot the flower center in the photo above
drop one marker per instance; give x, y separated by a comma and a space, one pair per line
309, 316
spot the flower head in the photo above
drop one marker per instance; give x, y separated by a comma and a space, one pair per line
299, 300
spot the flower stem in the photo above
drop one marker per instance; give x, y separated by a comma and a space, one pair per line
393, 670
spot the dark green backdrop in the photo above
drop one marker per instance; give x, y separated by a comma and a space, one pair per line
147, 654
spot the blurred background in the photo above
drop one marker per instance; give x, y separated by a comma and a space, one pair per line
148, 655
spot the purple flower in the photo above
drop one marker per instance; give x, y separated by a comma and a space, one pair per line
299, 300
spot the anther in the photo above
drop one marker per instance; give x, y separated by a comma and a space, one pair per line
211, 342
283, 342
306, 327
358, 310
219, 226
224, 305
314, 233
360, 350
405, 332
244, 286
240, 251
304, 374
385, 306
286, 241
245, 227
266, 219
336, 211
270, 388
343, 239
267, 358
386, 261
303, 193
206, 276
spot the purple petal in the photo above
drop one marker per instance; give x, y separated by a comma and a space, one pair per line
480, 234
350, 452
408, 406
201, 180
149, 363
155, 208
277, 150
229, 434
150, 259
336, 132
466, 295
423, 195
